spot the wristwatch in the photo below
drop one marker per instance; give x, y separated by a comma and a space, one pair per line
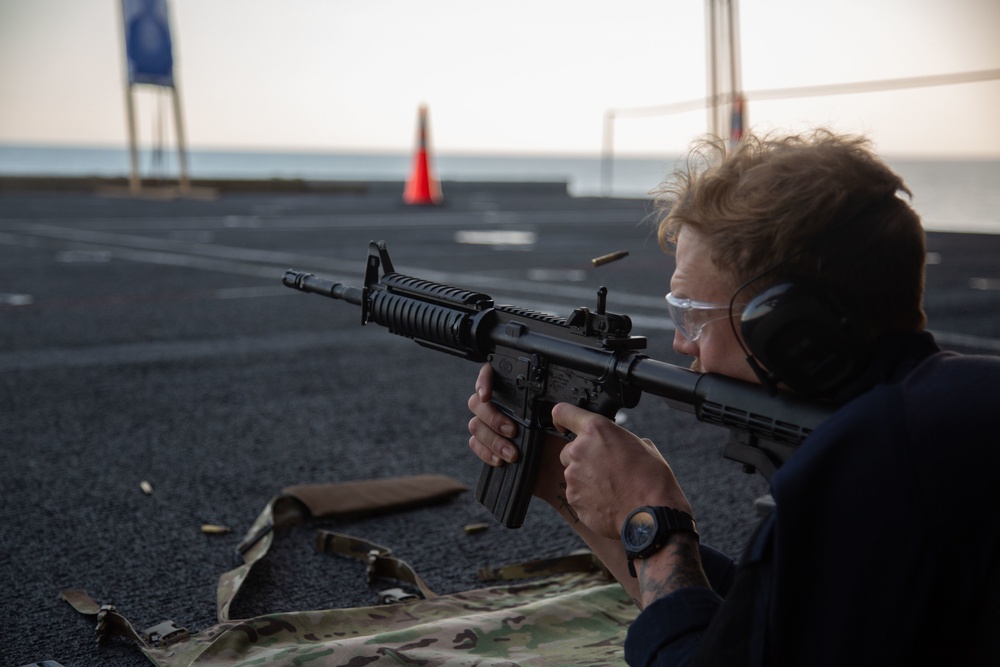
646, 530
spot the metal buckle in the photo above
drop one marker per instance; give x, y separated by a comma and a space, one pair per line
373, 556
394, 595
164, 634
102, 630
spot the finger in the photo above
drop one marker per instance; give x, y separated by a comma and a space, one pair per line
484, 383
489, 445
485, 454
566, 456
569, 418
490, 455
490, 415
480, 404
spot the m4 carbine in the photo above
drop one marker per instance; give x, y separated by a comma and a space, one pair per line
588, 359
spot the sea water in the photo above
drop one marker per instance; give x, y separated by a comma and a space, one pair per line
950, 195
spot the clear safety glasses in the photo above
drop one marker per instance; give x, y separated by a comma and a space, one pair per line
691, 316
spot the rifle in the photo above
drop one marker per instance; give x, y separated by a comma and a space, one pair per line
588, 358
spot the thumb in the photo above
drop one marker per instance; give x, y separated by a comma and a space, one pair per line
567, 417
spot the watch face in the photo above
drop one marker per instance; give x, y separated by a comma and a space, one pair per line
639, 531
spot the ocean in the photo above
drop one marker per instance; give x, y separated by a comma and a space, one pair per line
950, 195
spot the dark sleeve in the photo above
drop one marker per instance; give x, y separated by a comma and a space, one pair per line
719, 568
668, 632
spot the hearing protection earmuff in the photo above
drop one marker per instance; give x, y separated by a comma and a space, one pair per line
803, 339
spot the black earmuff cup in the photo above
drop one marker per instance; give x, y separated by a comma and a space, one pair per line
797, 333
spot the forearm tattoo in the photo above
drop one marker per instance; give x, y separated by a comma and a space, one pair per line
685, 573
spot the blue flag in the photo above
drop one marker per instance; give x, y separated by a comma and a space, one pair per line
147, 42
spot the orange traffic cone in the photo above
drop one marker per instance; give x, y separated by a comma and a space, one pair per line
422, 188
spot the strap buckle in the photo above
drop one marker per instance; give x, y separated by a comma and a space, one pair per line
164, 634
102, 630
395, 595
373, 556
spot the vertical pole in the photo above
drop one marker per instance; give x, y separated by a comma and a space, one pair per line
713, 85
608, 153
737, 115
184, 183
134, 185
737, 46
133, 179
734, 85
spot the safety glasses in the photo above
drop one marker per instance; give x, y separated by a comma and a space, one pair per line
691, 316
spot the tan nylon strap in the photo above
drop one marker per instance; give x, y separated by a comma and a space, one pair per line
110, 622
301, 502
327, 500
376, 496
379, 559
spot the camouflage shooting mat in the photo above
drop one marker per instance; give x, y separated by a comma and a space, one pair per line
570, 619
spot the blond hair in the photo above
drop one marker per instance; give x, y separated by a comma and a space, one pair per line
819, 206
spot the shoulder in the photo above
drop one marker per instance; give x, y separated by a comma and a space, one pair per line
949, 413
952, 393
948, 370
944, 388
938, 417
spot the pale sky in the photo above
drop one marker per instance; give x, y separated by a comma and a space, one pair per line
511, 77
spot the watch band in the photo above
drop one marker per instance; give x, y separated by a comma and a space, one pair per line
673, 521
667, 521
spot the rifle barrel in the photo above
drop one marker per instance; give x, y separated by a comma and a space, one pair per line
308, 282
